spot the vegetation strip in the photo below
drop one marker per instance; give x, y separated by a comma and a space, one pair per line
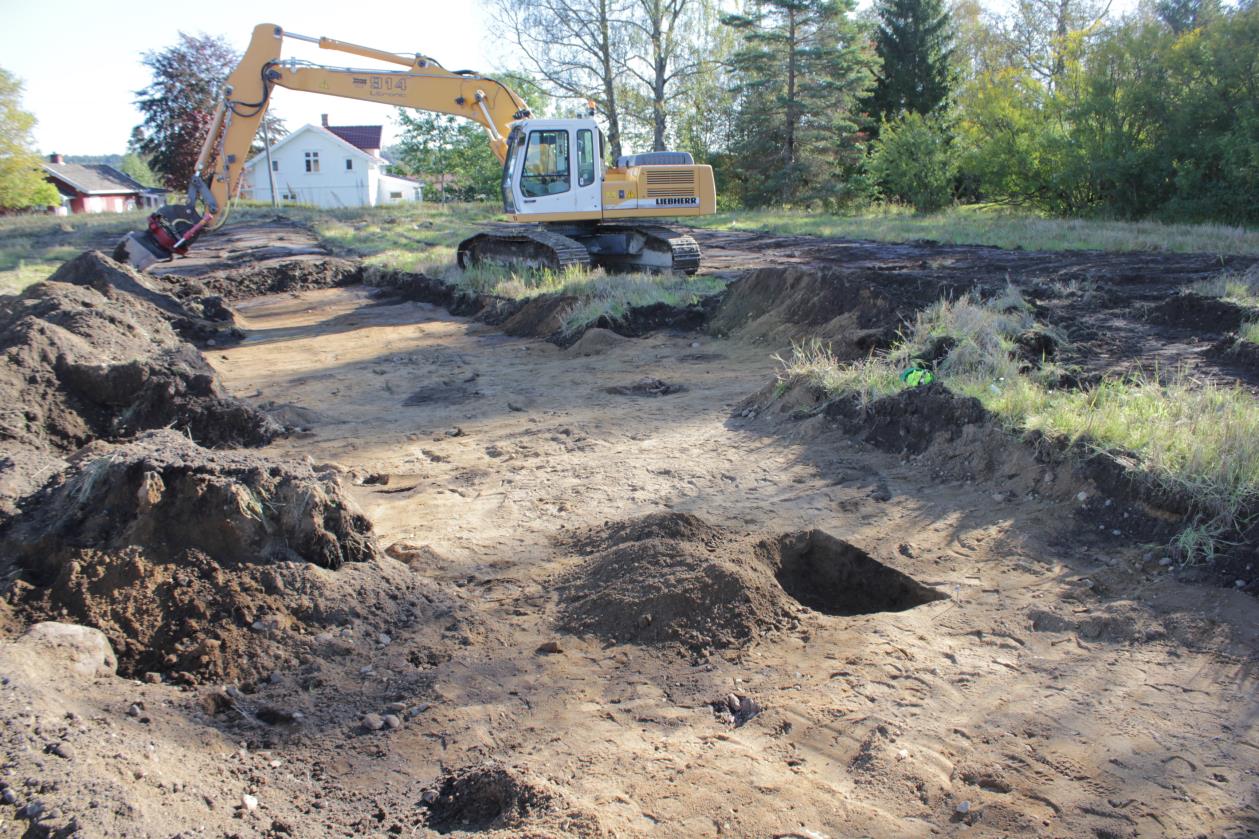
1196, 439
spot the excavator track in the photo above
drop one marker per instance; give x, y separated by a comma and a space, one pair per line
528, 246
682, 251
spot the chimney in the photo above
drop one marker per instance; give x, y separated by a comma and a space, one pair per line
324, 117
55, 158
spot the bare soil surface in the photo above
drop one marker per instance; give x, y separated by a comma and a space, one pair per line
699, 612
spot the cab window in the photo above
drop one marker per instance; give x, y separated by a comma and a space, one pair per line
585, 157
546, 164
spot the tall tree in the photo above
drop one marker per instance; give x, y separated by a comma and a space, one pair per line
914, 43
802, 70
664, 56
1043, 33
576, 48
179, 103
22, 183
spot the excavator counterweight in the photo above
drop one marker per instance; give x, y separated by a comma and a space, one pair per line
569, 207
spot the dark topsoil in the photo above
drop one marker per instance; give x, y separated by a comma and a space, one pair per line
98, 353
191, 561
1120, 312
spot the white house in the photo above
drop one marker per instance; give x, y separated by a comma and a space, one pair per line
328, 166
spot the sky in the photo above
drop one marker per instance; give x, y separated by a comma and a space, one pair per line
80, 59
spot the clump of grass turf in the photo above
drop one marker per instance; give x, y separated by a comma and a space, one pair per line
1240, 287
1249, 333
1199, 439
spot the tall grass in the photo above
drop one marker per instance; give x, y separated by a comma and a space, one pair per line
995, 225
1199, 439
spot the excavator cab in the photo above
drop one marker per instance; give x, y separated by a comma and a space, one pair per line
552, 171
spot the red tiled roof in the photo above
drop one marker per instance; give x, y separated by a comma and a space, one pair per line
360, 136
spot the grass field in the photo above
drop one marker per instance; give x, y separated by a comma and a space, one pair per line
1002, 227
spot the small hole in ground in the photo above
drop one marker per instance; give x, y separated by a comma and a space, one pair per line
833, 577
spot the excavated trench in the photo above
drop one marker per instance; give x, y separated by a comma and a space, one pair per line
830, 576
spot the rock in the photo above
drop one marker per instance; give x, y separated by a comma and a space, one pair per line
732, 702
372, 722
32, 810
61, 749
84, 649
9, 796
417, 710
153, 678
385, 639
248, 803
550, 648
392, 721
396, 708
429, 796
134, 710
963, 807
748, 708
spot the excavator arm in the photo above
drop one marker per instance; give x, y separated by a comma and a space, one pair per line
424, 84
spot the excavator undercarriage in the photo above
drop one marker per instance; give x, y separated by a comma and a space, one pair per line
609, 245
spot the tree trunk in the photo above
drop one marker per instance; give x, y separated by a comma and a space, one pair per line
609, 82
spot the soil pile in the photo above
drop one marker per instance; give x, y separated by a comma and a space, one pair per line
184, 556
671, 578
495, 798
272, 278
1197, 313
92, 361
910, 421
853, 313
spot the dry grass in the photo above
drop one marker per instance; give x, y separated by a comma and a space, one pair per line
1197, 438
1000, 226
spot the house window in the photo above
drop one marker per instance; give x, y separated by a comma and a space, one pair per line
349, 164
312, 161
546, 164
585, 157
275, 166
395, 195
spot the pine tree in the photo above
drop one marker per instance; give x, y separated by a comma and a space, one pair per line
914, 44
800, 71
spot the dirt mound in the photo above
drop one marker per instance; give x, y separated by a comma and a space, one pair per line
596, 341
83, 362
853, 313
493, 798
541, 317
1195, 312
911, 420
194, 315
181, 554
669, 579
672, 578
272, 278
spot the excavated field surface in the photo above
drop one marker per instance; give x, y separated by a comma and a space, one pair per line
483, 585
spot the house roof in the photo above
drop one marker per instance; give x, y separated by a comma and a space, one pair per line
288, 138
93, 178
360, 136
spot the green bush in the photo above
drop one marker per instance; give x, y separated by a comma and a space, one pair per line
913, 162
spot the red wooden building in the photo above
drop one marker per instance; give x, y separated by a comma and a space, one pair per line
95, 187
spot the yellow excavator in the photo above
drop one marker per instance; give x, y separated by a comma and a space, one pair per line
568, 206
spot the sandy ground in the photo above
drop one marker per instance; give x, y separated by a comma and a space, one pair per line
878, 725
1067, 687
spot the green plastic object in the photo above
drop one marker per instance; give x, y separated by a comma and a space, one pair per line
917, 377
